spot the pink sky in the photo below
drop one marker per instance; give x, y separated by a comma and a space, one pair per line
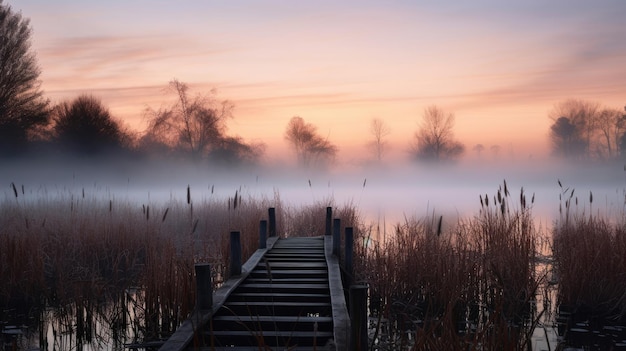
499, 67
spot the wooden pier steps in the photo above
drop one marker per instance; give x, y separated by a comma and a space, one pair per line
283, 303
289, 295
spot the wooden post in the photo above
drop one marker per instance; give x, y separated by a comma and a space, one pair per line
358, 318
235, 254
204, 286
263, 234
337, 237
349, 252
272, 220
329, 220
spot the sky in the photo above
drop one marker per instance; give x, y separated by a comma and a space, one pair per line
499, 66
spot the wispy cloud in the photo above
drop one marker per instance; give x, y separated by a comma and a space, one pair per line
96, 61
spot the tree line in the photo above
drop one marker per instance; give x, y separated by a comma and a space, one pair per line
195, 126
585, 130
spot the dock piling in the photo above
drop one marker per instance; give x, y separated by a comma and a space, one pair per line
235, 254
337, 237
204, 286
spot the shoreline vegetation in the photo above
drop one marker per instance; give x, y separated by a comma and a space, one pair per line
82, 267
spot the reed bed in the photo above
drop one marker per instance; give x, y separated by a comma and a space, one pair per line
471, 287
590, 257
95, 269
78, 252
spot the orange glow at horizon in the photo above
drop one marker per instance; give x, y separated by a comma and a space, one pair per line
498, 68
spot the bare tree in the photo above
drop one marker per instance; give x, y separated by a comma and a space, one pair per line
611, 125
192, 125
379, 130
311, 149
478, 149
495, 151
434, 141
85, 126
22, 106
234, 151
583, 117
566, 139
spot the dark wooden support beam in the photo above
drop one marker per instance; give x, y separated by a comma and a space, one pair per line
263, 234
235, 254
349, 252
329, 221
272, 221
204, 286
358, 318
337, 237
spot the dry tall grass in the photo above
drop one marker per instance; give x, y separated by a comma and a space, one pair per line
590, 256
78, 251
119, 270
470, 287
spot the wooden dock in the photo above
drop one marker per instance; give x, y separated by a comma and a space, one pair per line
288, 296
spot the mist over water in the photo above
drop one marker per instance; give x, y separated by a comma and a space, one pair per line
384, 194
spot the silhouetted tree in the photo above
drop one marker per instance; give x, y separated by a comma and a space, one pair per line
566, 140
495, 151
191, 125
611, 125
580, 115
379, 130
434, 141
22, 106
311, 149
85, 125
196, 126
234, 151
478, 149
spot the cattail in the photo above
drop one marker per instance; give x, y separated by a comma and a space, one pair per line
188, 194
364, 182
165, 214
14, 189
147, 212
439, 225
195, 225
590, 197
235, 201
